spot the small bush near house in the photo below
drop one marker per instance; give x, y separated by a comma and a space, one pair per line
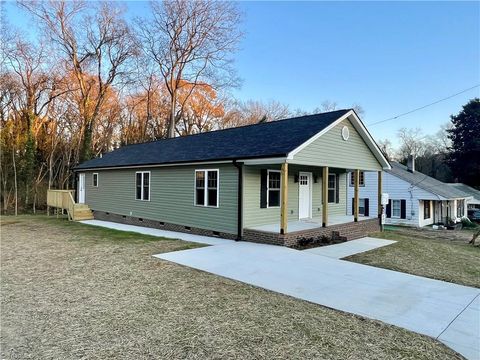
466, 223
311, 242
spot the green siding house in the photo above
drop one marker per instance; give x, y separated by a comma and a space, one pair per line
272, 182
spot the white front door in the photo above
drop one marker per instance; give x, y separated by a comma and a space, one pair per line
81, 188
304, 195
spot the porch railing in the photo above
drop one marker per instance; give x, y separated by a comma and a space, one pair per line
62, 199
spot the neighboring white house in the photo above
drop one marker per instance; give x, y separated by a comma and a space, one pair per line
474, 202
415, 199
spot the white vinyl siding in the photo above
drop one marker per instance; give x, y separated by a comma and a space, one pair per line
399, 189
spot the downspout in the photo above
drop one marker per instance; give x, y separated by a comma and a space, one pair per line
239, 166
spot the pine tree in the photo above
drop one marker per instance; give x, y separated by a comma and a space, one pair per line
464, 154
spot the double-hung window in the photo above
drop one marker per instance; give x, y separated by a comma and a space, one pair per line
361, 178
142, 183
206, 188
95, 180
273, 188
396, 208
361, 207
332, 188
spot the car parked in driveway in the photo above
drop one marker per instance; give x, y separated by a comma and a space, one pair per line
474, 215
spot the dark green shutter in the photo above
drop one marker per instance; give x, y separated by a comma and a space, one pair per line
389, 209
337, 188
263, 188
403, 209
367, 207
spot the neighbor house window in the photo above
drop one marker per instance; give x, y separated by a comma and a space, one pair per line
426, 209
361, 207
206, 188
273, 188
361, 179
460, 208
396, 208
142, 185
332, 188
95, 179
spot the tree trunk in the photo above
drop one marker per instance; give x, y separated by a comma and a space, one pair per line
86, 148
15, 181
171, 123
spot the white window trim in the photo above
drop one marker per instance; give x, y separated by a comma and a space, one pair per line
334, 189
149, 185
400, 207
93, 182
268, 189
205, 194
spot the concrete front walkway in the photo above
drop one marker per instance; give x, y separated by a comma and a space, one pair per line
208, 240
442, 310
339, 251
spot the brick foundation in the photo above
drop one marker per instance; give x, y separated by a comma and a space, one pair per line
131, 220
352, 230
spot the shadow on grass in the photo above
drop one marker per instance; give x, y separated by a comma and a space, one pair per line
84, 232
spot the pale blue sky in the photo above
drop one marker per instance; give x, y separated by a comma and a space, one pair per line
389, 57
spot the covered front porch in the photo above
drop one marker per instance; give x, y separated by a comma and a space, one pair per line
285, 202
309, 224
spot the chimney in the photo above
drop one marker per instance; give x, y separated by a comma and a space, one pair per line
411, 163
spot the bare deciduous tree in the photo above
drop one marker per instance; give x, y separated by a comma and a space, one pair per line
96, 47
191, 42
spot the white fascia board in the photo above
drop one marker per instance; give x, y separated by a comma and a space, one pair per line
153, 166
304, 163
263, 161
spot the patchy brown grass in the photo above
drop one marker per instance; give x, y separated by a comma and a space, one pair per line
437, 255
74, 291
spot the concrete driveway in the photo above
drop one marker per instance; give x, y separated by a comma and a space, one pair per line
445, 311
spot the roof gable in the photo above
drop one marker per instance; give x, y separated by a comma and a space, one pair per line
330, 149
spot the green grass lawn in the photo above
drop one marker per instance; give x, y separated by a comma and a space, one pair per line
427, 254
75, 291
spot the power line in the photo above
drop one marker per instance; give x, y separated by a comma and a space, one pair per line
425, 106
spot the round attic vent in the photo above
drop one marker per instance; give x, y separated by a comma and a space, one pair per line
345, 133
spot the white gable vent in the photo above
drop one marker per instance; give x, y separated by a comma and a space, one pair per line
345, 133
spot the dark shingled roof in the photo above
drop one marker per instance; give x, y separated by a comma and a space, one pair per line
270, 139
425, 182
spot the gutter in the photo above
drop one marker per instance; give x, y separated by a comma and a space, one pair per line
239, 166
